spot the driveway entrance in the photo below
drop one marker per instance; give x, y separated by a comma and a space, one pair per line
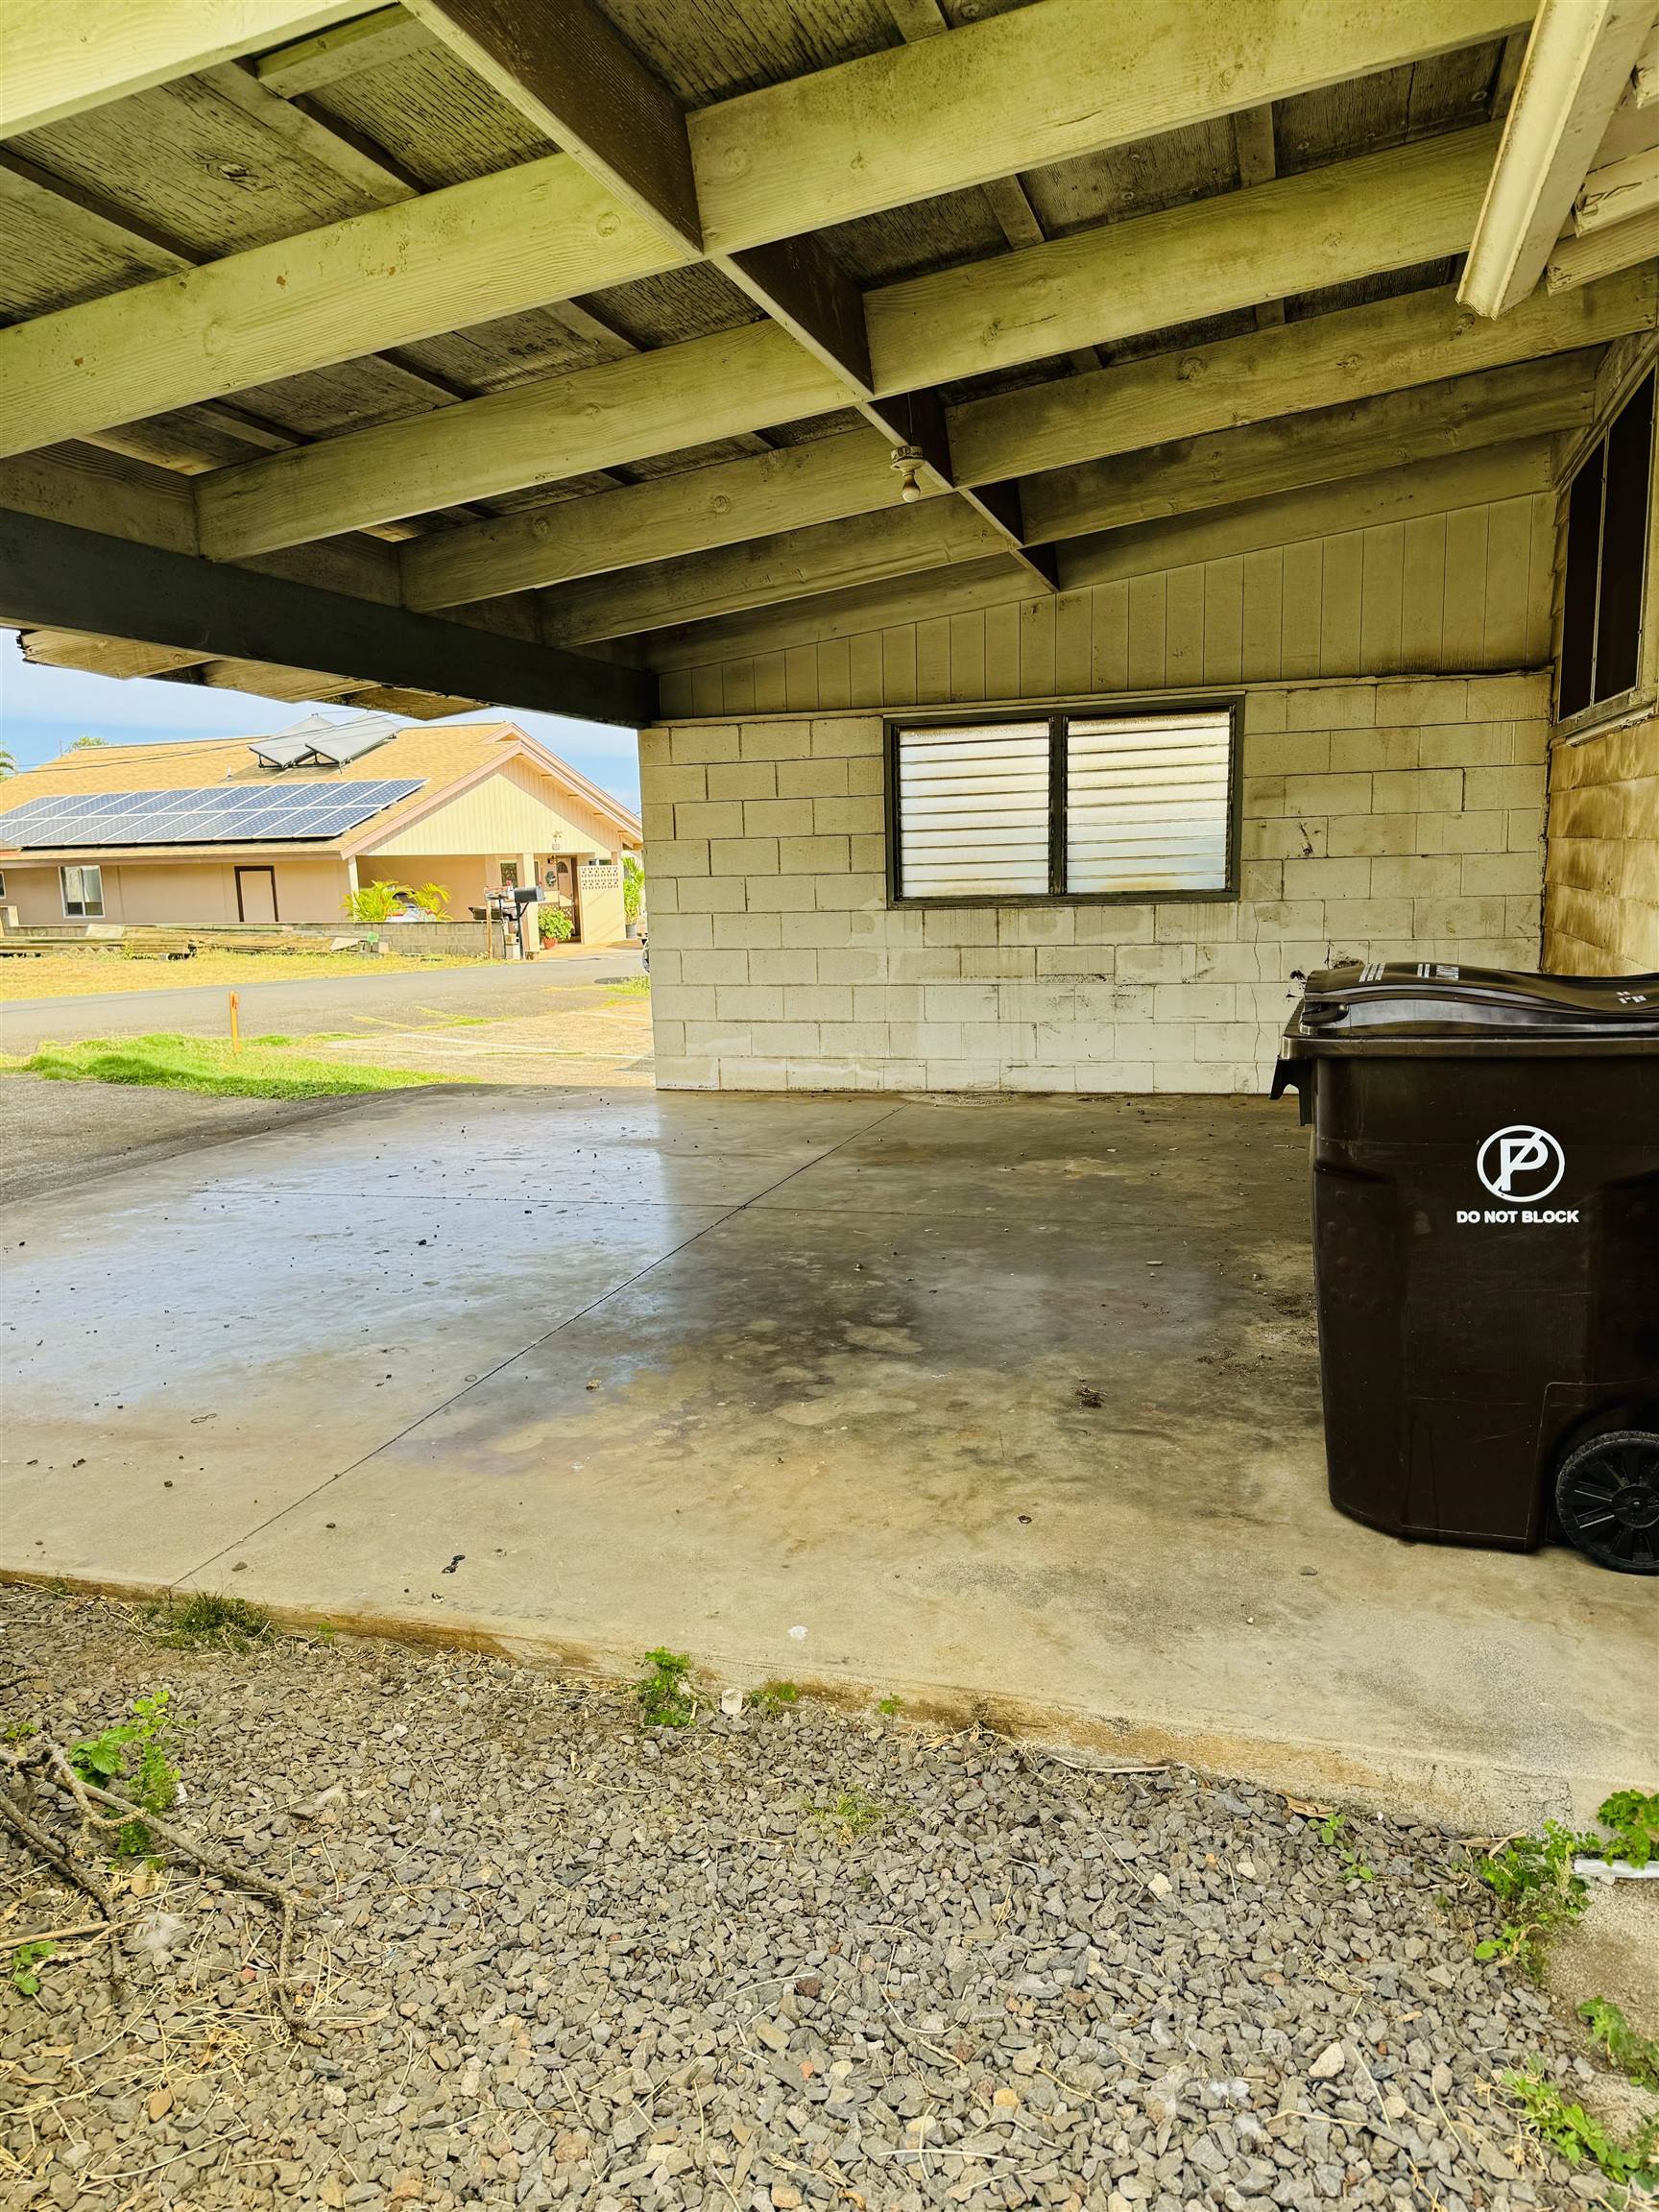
995, 1405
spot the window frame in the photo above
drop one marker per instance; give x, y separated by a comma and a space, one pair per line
1057, 717
81, 868
1595, 454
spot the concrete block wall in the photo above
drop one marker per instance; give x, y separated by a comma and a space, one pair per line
1601, 897
1383, 819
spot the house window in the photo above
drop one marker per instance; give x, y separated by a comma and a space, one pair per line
1081, 804
1607, 507
82, 892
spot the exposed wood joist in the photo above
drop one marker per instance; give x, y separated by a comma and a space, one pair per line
1437, 486
826, 559
365, 166
1644, 77
1357, 353
1297, 234
1257, 153
1220, 470
1577, 261
87, 215
60, 58
491, 246
1036, 86
1625, 191
1532, 399
1323, 361
823, 481
622, 410
1380, 211
122, 657
1577, 64
365, 43
54, 576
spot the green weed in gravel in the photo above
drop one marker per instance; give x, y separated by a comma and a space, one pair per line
1532, 1876
209, 1066
1636, 2056
854, 1812
1579, 2138
208, 1620
133, 1761
26, 1964
666, 1699
774, 1696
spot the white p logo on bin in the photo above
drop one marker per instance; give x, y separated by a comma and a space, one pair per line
1521, 1164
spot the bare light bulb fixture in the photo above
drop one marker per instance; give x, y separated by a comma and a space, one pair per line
908, 460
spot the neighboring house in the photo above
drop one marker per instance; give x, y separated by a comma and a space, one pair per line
283, 828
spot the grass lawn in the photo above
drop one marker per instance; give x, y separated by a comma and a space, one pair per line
83, 974
265, 1067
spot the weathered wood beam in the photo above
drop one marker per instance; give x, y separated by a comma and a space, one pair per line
123, 657
54, 576
1529, 400
1038, 84
1644, 77
1326, 360
87, 215
797, 561
1258, 157
344, 50
58, 59
565, 66
823, 481
622, 410
1587, 260
1297, 234
1625, 191
367, 167
490, 246
1577, 64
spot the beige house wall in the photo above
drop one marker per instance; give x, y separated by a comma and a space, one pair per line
508, 812
464, 877
1390, 810
309, 888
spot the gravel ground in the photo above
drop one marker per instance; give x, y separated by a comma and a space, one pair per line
552, 1957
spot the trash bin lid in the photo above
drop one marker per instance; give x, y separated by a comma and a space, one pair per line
1435, 1004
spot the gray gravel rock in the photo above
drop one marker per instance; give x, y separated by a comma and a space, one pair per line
778, 1959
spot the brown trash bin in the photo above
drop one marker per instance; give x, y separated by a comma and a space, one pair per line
1487, 1251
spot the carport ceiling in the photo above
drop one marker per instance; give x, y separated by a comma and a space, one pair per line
539, 329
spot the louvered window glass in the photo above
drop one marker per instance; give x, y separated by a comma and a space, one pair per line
1135, 806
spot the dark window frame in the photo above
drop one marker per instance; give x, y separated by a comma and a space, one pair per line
1232, 703
1586, 600
256, 868
82, 868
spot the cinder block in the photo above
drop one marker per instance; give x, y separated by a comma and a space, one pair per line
739, 780
958, 925
1509, 698
1098, 1077
854, 964
664, 785
813, 779
1424, 699
1465, 745
717, 1038
1105, 924
1039, 1076
652, 749
695, 744
1424, 791
685, 1072
1359, 919
1281, 918
779, 1038
960, 1001
887, 1001
711, 894
700, 818
1328, 879
1332, 706
812, 856
1178, 1002
1288, 753
782, 894
868, 855
682, 931
743, 930
865, 774
1458, 918
795, 966
845, 737
1155, 963
1355, 749
863, 1040
730, 964
749, 1002
998, 963
1097, 962
1319, 795
776, 741
658, 819
1484, 831
1504, 787
1262, 879
851, 817
1032, 925
779, 818
747, 1073
1502, 873
855, 889
1427, 876
1264, 709
676, 856
746, 856
1282, 838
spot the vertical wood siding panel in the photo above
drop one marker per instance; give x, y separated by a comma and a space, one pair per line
865, 661
1304, 598
1463, 634
1509, 555
1148, 657
933, 661
1540, 580
707, 691
801, 678
1037, 648
739, 686
674, 692
1263, 593
835, 674
771, 687
1184, 627
1340, 608
1423, 591
1381, 592
1001, 653
1225, 620
968, 655
1073, 642
898, 664
1111, 626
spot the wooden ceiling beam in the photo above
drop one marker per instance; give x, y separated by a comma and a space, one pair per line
1300, 233
305, 65
1496, 407
1598, 255
1625, 191
1577, 64
623, 410
60, 59
1037, 84
56, 576
491, 246
793, 564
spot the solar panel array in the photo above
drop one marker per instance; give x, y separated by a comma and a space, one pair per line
223, 814
332, 743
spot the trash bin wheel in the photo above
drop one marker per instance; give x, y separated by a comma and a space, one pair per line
1607, 1496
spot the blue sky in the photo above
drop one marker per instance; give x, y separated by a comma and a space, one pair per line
44, 710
